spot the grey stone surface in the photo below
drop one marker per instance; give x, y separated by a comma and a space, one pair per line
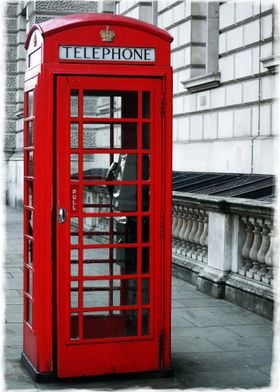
73, 6
11, 9
10, 110
10, 140
11, 24
10, 95
222, 346
11, 82
11, 67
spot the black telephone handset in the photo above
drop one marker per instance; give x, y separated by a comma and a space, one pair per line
111, 176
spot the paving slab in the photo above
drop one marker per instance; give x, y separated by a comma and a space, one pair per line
215, 344
195, 332
251, 330
222, 316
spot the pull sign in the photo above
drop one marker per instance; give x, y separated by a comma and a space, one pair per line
74, 198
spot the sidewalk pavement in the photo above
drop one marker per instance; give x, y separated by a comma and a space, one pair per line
215, 344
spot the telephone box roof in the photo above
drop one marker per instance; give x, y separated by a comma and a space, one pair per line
56, 25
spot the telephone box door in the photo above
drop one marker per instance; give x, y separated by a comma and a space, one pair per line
108, 238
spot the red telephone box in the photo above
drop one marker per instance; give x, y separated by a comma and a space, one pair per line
97, 197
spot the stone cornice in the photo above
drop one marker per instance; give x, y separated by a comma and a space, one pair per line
202, 83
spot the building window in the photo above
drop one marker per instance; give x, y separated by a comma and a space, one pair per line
209, 76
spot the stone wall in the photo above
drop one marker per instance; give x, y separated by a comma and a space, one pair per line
11, 73
225, 112
20, 16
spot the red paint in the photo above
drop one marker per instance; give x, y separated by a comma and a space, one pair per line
115, 242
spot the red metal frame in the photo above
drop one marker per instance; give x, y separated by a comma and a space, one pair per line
47, 348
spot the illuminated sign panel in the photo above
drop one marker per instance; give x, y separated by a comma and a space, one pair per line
99, 53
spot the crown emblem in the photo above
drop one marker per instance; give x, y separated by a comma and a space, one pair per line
107, 35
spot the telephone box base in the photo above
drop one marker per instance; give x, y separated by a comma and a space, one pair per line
52, 377
35, 375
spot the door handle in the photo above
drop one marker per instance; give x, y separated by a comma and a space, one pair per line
61, 215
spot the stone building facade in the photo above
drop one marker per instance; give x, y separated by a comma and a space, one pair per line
20, 16
225, 57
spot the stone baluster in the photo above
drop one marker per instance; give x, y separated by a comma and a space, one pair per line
174, 219
268, 278
255, 248
178, 227
263, 249
174, 223
204, 238
247, 265
198, 234
183, 229
188, 231
193, 233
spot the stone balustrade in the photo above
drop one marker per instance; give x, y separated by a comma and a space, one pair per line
257, 249
225, 246
190, 232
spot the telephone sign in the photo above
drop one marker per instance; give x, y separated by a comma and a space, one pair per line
105, 53
97, 197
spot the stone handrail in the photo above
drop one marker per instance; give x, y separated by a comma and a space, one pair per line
222, 236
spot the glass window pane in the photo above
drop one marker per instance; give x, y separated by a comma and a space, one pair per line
29, 229
97, 198
105, 261
90, 132
109, 230
29, 252
145, 260
30, 133
127, 136
29, 280
145, 198
74, 262
30, 194
74, 167
99, 262
145, 229
30, 172
74, 326
104, 293
29, 311
100, 325
145, 322
96, 293
30, 103
110, 167
74, 99
145, 291
125, 198
95, 166
110, 104
146, 104
96, 106
146, 136
74, 135
74, 294
110, 135
129, 104
146, 167
74, 231
127, 260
